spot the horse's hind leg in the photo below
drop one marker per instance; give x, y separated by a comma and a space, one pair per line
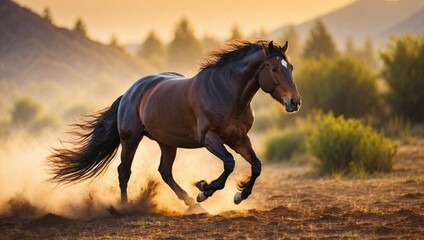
165, 168
130, 141
130, 132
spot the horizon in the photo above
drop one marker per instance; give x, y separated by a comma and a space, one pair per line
130, 26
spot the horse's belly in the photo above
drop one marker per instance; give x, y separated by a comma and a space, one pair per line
179, 141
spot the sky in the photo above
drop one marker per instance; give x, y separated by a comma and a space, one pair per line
132, 20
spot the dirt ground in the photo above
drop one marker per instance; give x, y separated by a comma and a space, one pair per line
291, 205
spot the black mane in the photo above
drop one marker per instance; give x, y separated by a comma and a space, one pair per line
235, 51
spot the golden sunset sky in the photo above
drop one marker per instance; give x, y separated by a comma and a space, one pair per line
131, 20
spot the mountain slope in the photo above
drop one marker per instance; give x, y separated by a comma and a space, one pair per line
413, 24
32, 49
361, 19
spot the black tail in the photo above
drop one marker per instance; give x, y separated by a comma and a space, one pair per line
94, 146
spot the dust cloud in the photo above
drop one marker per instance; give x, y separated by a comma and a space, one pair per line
26, 192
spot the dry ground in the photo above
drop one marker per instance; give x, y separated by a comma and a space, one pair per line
291, 205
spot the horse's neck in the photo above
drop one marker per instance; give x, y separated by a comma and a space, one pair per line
249, 83
233, 87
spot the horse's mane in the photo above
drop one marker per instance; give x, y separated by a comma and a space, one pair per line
234, 51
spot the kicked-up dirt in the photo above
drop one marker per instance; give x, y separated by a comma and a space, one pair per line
289, 204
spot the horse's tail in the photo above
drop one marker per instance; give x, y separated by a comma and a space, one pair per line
95, 143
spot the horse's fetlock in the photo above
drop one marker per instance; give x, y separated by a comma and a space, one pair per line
220, 186
245, 193
256, 168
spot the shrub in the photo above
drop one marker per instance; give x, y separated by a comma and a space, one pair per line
341, 85
24, 111
42, 123
346, 145
284, 146
403, 71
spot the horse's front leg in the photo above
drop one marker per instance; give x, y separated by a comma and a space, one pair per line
246, 151
215, 145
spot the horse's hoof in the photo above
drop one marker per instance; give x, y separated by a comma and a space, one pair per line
201, 197
201, 185
238, 198
196, 209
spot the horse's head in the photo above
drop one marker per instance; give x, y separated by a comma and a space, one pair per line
275, 77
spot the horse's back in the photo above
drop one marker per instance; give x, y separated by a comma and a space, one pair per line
128, 112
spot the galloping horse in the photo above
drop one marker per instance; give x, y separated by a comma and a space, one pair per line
211, 109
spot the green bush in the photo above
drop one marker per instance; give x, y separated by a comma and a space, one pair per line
403, 71
24, 111
42, 123
341, 85
346, 145
283, 146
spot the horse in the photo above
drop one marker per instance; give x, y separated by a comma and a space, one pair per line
211, 110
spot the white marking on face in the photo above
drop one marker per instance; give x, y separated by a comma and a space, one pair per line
284, 63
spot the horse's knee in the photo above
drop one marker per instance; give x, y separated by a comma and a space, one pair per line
229, 164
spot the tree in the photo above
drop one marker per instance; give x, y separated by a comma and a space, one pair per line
292, 36
319, 42
152, 50
235, 33
342, 85
209, 42
80, 27
47, 14
403, 59
114, 43
24, 111
368, 54
184, 48
350, 48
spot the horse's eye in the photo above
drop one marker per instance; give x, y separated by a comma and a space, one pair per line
273, 68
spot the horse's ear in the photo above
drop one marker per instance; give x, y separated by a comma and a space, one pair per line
285, 47
270, 47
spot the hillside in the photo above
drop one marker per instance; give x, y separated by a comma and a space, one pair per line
414, 24
366, 18
33, 49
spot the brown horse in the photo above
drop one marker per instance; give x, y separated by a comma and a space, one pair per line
211, 110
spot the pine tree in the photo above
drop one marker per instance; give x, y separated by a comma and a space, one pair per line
114, 42
319, 42
152, 50
350, 48
292, 36
235, 33
47, 14
151, 46
368, 54
185, 48
80, 27
209, 42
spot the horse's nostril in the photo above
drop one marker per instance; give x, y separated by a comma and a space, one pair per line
292, 102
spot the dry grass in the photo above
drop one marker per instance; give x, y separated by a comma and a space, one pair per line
285, 204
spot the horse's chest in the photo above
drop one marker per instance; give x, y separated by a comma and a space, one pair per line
235, 131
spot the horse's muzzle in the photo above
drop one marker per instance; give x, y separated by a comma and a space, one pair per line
293, 105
